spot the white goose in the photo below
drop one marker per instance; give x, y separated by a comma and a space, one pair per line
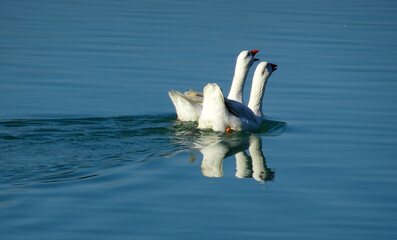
222, 114
188, 106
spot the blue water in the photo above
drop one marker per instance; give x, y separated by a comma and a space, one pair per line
90, 147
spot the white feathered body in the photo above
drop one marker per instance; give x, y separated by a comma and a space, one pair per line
220, 114
186, 108
189, 104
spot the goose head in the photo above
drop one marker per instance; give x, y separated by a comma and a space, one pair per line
246, 58
265, 69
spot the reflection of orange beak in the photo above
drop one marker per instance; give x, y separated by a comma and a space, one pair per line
229, 130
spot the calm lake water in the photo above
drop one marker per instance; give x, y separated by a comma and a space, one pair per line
90, 147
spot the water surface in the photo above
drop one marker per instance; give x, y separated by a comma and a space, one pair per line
90, 146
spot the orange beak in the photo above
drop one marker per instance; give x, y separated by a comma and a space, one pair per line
254, 52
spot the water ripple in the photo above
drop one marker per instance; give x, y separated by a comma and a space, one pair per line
58, 150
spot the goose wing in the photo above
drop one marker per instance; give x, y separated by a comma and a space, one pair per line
240, 110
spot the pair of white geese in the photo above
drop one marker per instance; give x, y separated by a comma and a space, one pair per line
213, 111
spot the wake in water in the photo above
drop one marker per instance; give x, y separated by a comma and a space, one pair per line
43, 151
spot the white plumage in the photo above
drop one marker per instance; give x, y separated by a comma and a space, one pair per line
222, 114
188, 105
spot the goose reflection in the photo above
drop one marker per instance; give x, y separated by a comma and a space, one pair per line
215, 147
247, 166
